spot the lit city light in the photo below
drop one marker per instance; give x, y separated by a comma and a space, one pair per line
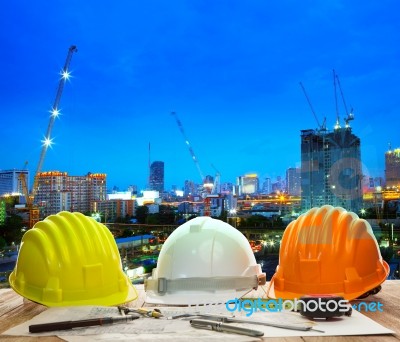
96, 216
47, 142
65, 75
55, 113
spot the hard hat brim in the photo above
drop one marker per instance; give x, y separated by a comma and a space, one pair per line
111, 300
275, 294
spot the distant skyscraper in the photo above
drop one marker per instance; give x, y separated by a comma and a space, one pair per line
227, 188
293, 179
156, 181
133, 189
10, 181
331, 169
392, 167
278, 185
190, 188
267, 186
208, 179
248, 184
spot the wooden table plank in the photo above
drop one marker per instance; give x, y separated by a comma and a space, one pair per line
15, 310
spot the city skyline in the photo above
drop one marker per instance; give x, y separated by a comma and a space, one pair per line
231, 72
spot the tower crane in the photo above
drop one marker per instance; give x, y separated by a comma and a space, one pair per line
180, 126
54, 114
33, 212
350, 115
337, 125
320, 127
217, 181
32, 208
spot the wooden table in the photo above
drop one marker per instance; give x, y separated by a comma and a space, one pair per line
14, 310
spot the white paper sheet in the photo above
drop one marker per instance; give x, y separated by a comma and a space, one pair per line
179, 329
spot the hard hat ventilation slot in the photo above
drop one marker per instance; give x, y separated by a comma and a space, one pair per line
195, 228
52, 292
93, 276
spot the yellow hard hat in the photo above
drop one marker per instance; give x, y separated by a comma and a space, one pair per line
328, 250
70, 259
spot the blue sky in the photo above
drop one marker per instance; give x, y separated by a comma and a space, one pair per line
230, 70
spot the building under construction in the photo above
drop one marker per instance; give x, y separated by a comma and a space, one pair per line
331, 169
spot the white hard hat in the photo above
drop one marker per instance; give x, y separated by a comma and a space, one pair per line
205, 260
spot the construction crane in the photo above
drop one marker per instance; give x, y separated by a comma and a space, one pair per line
32, 208
180, 126
32, 211
217, 181
349, 115
337, 125
320, 127
54, 114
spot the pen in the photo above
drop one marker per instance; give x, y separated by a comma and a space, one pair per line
218, 326
270, 324
66, 325
225, 319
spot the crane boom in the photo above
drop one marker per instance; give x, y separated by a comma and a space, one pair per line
320, 127
188, 144
54, 114
217, 181
350, 115
24, 186
341, 93
336, 101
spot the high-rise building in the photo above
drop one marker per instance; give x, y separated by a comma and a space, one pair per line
133, 189
156, 180
10, 181
208, 179
227, 188
190, 188
331, 169
248, 184
267, 186
392, 168
278, 185
293, 179
208, 184
110, 210
52, 193
57, 191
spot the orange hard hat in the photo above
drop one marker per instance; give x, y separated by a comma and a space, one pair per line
328, 250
